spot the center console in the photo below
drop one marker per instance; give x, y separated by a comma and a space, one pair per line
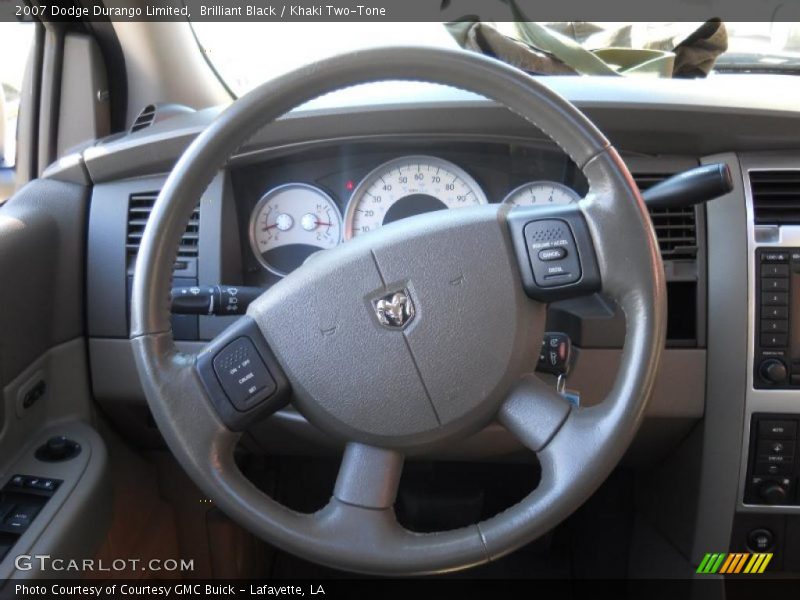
768, 506
777, 335
769, 464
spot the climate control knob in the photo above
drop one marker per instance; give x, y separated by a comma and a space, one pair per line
773, 371
773, 493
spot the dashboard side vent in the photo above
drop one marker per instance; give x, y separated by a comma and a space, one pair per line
145, 118
140, 205
776, 197
676, 228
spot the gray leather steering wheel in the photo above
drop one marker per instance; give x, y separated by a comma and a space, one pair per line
464, 359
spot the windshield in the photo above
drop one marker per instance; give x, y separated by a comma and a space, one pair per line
246, 54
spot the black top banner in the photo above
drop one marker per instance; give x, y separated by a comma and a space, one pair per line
399, 10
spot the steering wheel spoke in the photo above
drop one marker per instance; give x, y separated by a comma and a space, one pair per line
241, 375
368, 476
533, 412
173, 373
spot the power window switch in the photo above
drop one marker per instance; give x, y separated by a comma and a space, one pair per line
42, 483
5, 506
20, 517
17, 481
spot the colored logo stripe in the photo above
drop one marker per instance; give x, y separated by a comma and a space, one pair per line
734, 563
710, 563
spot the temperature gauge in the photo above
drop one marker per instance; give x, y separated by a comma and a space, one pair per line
290, 223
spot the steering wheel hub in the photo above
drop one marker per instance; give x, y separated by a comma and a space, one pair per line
361, 374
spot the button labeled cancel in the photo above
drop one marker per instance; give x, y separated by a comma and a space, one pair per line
548, 254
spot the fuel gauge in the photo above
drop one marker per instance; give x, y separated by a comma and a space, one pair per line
290, 223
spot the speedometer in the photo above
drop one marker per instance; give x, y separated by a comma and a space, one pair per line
408, 186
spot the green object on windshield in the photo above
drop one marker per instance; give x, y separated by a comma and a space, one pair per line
568, 51
546, 50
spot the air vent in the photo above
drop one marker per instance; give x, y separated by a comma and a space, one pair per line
776, 197
139, 208
145, 118
676, 228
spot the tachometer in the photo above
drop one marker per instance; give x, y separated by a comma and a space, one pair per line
408, 186
290, 223
541, 193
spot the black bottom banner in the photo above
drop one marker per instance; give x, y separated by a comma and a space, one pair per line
405, 589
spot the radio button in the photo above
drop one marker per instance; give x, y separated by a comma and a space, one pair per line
774, 326
774, 285
775, 270
775, 299
774, 340
775, 257
774, 312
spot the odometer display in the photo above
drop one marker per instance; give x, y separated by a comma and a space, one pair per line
408, 186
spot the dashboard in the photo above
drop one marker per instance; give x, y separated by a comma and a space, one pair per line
309, 181
319, 178
292, 207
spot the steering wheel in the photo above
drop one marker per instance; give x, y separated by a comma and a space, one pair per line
409, 338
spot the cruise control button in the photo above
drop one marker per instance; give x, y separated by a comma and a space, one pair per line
551, 240
552, 254
242, 374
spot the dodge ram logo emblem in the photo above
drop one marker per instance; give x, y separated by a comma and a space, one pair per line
395, 310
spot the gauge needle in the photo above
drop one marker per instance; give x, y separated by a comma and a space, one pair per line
268, 227
323, 223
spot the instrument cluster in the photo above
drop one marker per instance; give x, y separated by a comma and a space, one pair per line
293, 219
